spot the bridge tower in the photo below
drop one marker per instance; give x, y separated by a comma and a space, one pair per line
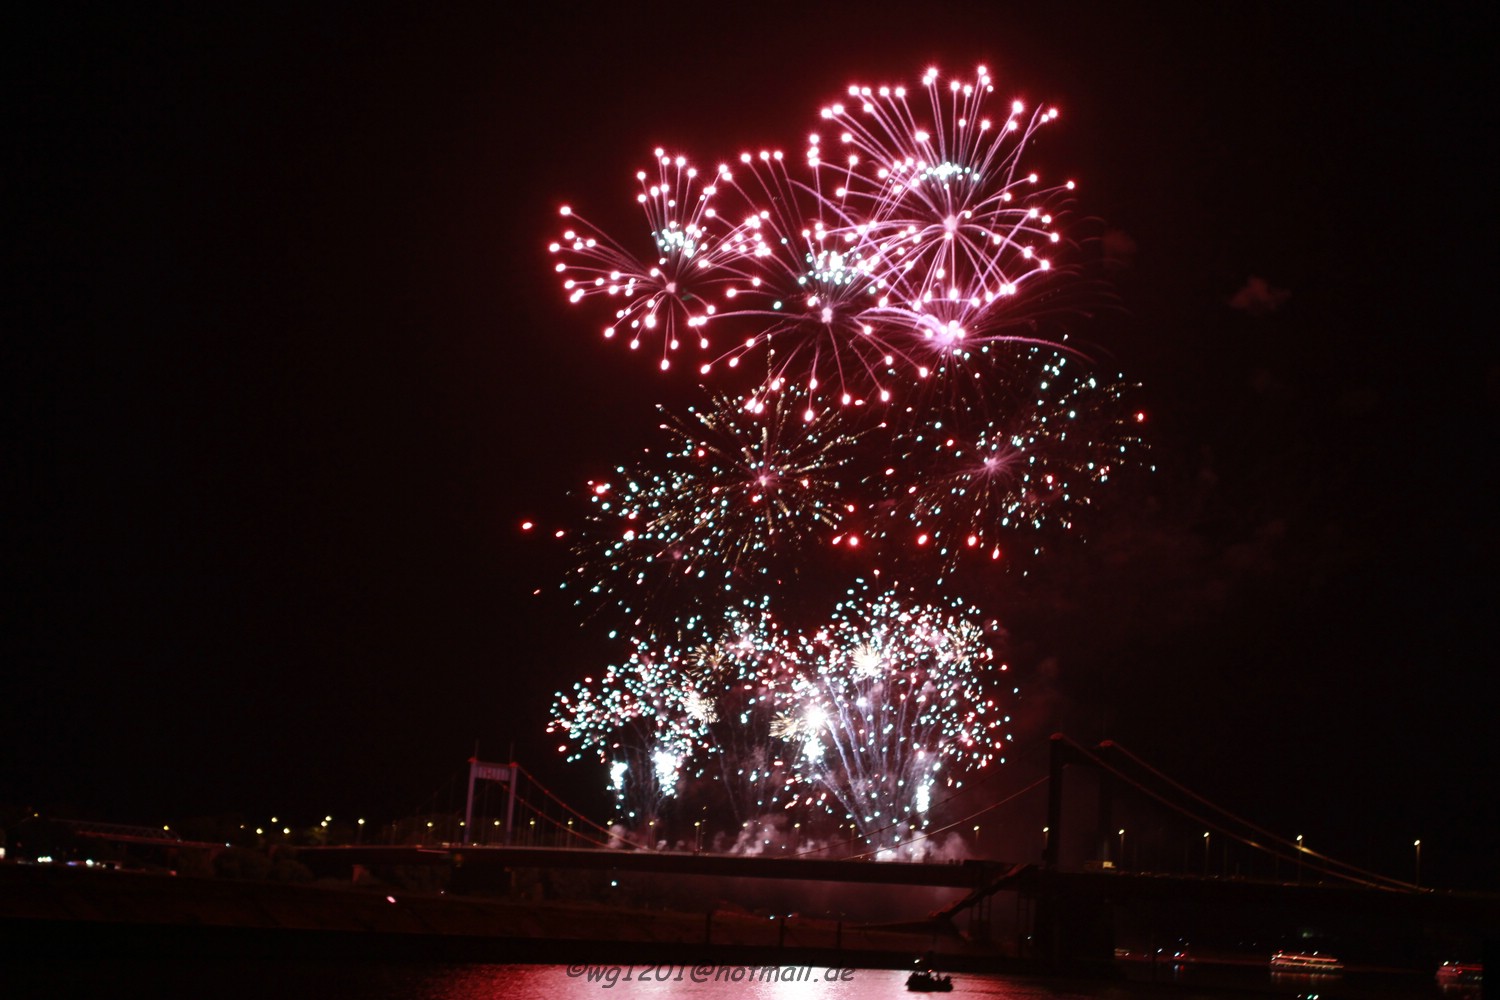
504, 774
1072, 928
1064, 752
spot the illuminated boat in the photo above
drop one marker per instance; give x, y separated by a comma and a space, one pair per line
924, 981
1302, 964
1460, 974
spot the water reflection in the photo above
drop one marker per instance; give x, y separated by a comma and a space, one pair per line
553, 982
268, 979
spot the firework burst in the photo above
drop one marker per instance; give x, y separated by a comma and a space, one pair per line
911, 246
742, 490
667, 292
811, 289
964, 223
895, 702
865, 719
642, 718
892, 283
1034, 464
744, 768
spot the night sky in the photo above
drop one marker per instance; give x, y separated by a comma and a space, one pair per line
286, 367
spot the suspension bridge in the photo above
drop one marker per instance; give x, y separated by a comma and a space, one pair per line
526, 819
1195, 864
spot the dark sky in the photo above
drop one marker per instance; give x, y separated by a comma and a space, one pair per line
286, 365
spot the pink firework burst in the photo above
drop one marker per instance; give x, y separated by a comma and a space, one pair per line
964, 227
669, 290
919, 241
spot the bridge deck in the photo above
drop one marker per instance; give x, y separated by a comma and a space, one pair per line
966, 875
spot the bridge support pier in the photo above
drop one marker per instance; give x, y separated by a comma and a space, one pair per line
1072, 931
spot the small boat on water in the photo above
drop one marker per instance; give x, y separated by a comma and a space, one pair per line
927, 981
1460, 974
1304, 964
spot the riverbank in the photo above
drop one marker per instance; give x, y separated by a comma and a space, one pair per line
50, 913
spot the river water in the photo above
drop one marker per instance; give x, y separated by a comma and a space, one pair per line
269, 980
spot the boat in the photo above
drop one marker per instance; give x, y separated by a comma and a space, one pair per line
926, 981
1460, 974
1304, 964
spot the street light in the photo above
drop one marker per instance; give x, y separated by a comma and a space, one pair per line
1206, 841
1418, 845
1121, 862
1299, 859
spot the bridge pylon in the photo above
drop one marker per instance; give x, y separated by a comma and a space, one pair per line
505, 774
1064, 751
